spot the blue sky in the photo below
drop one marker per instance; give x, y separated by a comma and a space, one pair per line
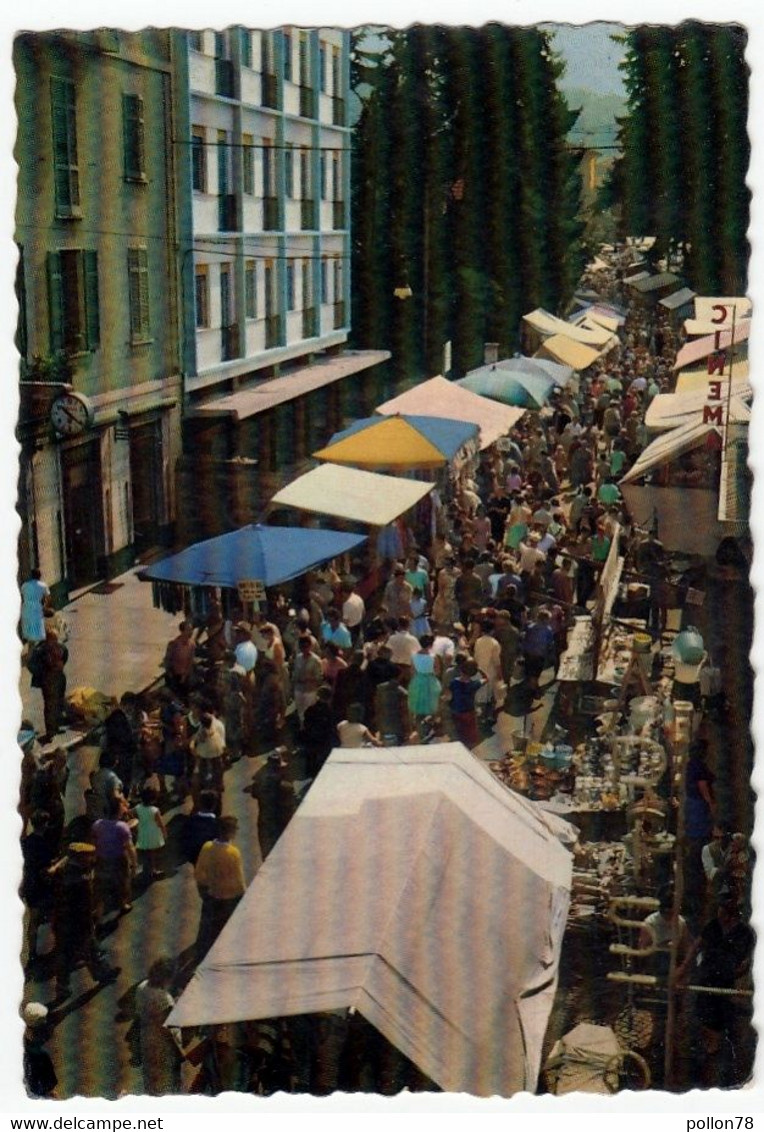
591, 56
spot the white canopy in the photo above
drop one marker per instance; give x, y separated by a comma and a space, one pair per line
689, 380
667, 410
413, 887
349, 493
548, 324
669, 446
439, 397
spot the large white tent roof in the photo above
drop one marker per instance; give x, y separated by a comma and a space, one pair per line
349, 493
548, 324
439, 397
413, 887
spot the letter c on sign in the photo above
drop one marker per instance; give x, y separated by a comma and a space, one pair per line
723, 316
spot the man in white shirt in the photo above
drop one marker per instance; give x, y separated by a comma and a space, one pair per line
403, 645
353, 611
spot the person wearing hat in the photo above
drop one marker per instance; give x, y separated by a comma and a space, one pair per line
273, 789
530, 555
73, 918
39, 1075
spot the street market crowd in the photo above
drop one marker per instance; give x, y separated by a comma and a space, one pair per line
464, 631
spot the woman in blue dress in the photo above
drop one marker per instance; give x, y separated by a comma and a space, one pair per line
424, 688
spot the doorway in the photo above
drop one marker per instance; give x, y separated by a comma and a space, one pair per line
146, 484
83, 513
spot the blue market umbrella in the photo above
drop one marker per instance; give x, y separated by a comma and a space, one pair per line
523, 389
270, 555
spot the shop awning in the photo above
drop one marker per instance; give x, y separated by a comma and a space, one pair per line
399, 442
691, 380
677, 299
667, 410
267, 395
412, 887
548, 325
351, 493
562, 349
696, 351
271, 555
666, 448
438, 397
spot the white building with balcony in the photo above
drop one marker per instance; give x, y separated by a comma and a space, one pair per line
264, 221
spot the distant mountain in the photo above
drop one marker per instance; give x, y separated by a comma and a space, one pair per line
596, 125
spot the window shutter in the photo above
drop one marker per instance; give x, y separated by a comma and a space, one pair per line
143, 268
134, 136
64, 128
55, 302
92, 315
138, 276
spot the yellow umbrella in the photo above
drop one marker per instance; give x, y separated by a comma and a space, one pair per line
392, 443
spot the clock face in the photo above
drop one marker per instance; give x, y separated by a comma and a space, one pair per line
70, 414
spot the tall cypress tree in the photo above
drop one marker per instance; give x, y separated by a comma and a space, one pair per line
474, 191
681, 176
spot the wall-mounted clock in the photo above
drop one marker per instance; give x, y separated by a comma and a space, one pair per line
71, 413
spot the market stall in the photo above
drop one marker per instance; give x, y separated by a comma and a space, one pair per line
255, 555
439, 397
396, 854
560, 348
363, 500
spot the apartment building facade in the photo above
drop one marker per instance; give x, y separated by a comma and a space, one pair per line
264, 223
98, 334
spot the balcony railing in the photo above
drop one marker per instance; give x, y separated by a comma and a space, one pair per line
339, 315
338, 111
307, 102
309, 322
273, 335
271, 214
338, 214
229, 336
227, 220
308, 215
224, 78
270, 91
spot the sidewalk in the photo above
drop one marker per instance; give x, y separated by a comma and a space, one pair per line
116, 643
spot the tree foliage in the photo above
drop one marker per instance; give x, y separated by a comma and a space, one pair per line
464, 190
681, 176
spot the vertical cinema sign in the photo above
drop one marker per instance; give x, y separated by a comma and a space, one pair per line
712, 410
